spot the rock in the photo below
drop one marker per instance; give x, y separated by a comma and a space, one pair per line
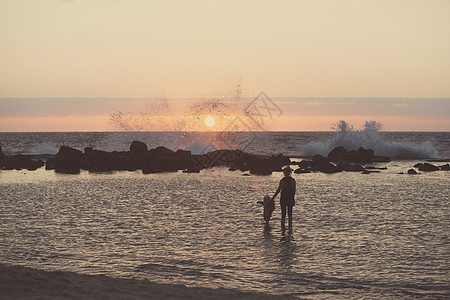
68, 160
64, 150
183, 154
338, 154
160, 151
418, 165
260, 166
301, 171
412, 172
305, 164
279, 161
19, 162
138, 147
98, 161
321, 164
445, 167
192, 170
350, 167
362, 156
2, 157
427, 167
365, 172
150, 168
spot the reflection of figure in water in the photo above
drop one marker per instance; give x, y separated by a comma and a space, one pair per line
287, 201
269, 207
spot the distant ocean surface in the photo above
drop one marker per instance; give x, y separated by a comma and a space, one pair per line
400, 145
382, 235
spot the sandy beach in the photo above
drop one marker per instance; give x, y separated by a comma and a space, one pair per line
17, 282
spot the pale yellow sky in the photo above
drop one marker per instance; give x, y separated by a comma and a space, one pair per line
179, 48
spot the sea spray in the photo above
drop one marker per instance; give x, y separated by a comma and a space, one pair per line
369, 137
45, 148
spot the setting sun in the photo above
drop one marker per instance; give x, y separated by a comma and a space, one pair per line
209, 121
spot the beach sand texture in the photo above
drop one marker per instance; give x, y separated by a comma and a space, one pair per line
17, 282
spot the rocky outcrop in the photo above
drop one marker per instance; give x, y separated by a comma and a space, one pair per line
350, 167
321, 164
260, 166
19, 162
427, 167
412, 172
2, 157
68, 160
362, 156
138, 147
445, 167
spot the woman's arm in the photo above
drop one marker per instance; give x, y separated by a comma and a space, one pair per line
278, 189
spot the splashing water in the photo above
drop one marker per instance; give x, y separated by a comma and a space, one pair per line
370, 138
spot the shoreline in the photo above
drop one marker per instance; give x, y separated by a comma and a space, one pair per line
19, 282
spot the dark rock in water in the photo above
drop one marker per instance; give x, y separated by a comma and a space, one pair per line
160, 151
305, 164
412, 172
301, 171
68, 160
138, 147
279, 161
2, 157
427, 167
183, 154
192, 170
362, 156
318, 159
232, 169
64, 150
365, 172
149, 168
418, 165
260, 166
321, 164
400, 173
99, 161
20, 162
350, 167
338, 154
246, 174
445, 167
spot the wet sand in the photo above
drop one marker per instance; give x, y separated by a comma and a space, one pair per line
17, 282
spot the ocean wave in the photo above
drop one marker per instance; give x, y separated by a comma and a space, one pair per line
369, 137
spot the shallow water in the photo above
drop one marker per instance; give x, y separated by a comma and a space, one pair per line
377, 235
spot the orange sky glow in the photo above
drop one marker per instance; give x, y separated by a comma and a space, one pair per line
105, 65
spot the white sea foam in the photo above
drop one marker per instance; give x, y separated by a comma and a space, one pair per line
370, 138
200, 147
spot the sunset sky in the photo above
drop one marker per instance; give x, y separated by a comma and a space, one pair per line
71, 65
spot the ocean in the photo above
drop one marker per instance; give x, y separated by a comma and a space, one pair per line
378, 235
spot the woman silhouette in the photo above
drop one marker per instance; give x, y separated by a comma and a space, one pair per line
287, 201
